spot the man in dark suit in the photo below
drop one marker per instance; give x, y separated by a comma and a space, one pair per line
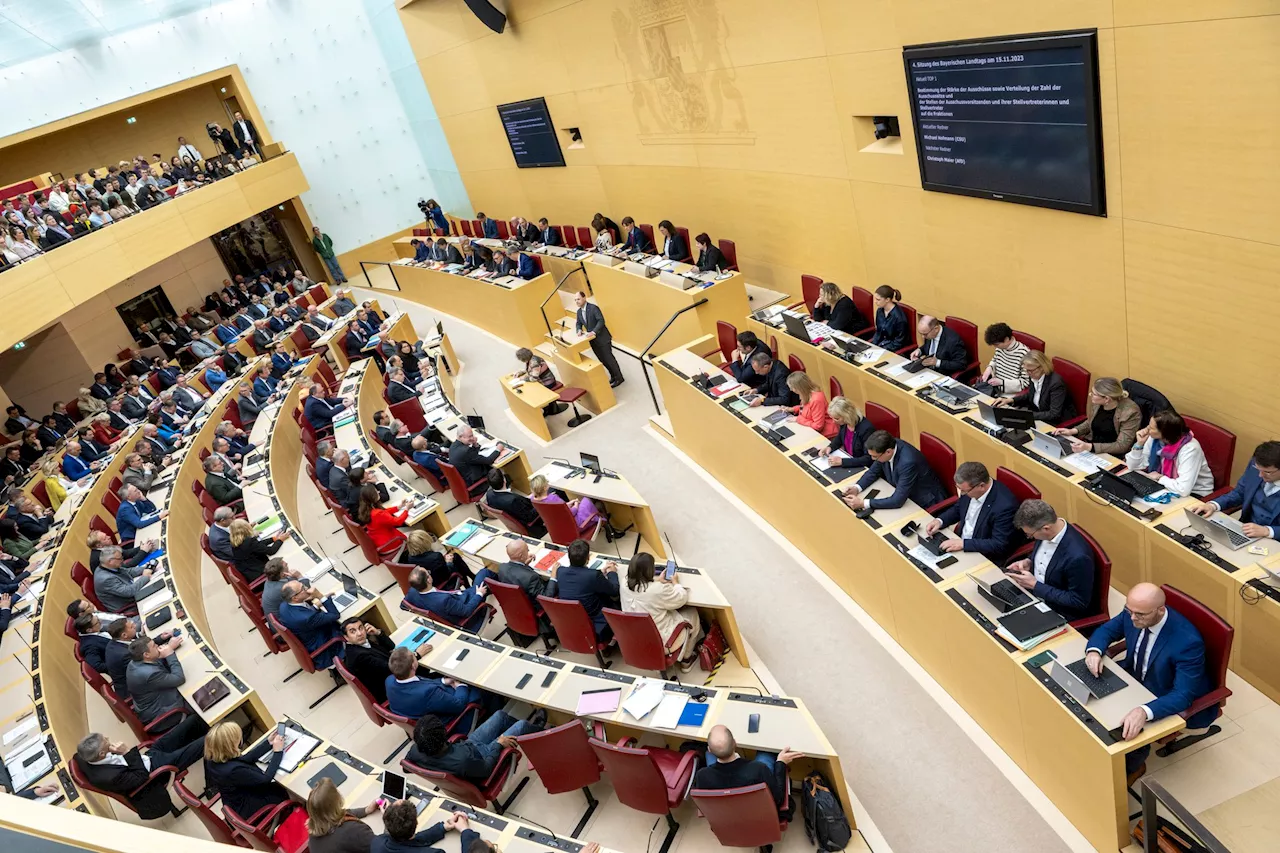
232, 362
901, 466
398, 387
456, 608
134, 405
122, 770
594, 589
354, 341
122, 632
18, 420
516, 570
319, 410
339, 477
365, 653
324, 462
506, 263
1257, 493
246, 136
99, 387
154, 676
314, 627
590, 320
1060, 569
63, 421
247, 405
637, 240
12, 468
940, 348
501, 498
464, 454
224, 138
772, 388
983, 516
93, 641
261, 336
525, 231
546, 234
48, 433
1166, 653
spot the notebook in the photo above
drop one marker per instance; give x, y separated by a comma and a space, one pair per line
603, 701
693, 714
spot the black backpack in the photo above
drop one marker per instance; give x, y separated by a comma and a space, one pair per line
824, 820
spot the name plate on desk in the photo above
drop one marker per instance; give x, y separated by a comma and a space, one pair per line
481, 642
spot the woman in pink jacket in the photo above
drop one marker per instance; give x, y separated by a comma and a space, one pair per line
812, 411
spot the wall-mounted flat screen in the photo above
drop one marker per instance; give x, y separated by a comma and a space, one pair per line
530, 133
1014, 118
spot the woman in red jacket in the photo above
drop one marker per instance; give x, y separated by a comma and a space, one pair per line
103, 431
381, 524
812, 411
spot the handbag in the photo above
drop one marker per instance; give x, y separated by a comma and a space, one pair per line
713, 648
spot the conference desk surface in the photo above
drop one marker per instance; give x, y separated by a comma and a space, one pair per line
526, 401
624, 504
511, 311
1063, 747
703, 592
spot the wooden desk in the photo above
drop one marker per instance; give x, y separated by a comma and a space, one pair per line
625, 505
570, 354
511, 313
527, 400
1063, 748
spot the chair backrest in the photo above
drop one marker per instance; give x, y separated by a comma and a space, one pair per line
1219, 447
400, 572
457, 486
79, 572
584, 237
325, 374
1028, 340
317, 294
295, 645
562, 526
794, 363
1019, 485
69, 627
252, 607
638, 639
688, 242
1077, 380
647, 230
568, 236
571, 623
216, 826
968, 333
836, 389
730, 251
41, 492
367, 700
410, 412
154, 381
516, 608
727, 338
223, 566
466, 228
478, 227
111, 502
508, 520
911, 323
103, 526
1098, 612
882, 417
87, 590
863, 301
73, 410
740, 817
941, 458
810, 287
1217, 634
362, 539
503, 231
91, 676
425, 473
562, 757
636, 779
78, 777
773, 345
400, 721
299, 339
537, 263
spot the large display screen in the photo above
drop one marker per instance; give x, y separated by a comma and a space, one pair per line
1012, 118
530, 133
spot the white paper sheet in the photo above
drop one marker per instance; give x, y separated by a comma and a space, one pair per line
669, 710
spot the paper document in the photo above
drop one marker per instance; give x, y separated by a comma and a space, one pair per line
926, 556
604, 701
152, 603
644, 697
297, 747
476, 541
670, 710
1085, 462
317, 569
27, 728
556, 471
454, 660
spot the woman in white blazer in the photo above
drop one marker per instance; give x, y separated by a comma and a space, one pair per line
1168, 453
665, 601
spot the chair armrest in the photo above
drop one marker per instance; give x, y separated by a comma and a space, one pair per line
1067, 424
1208, 700
150, 728
156, 772
508, 759
471, 707
265, 815
941, 505
1116, 648
335, 641
682, 628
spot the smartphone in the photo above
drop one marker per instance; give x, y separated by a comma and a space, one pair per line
524, 679
670, 573
753, 723
947, 561
462, 655
867, 496
176, 632
910, 528
280, 727
551, 676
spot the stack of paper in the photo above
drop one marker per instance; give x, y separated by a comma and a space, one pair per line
269, 526
645, 696
1085, 462
670, 710
476, 541
457, 537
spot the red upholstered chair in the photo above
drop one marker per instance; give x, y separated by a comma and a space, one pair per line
942, 459
503, 231
648, 232
912, 342
1219, 447
41, 492
1078, 385
641, 644
741, 817
508, 520
400, 573
563, 759
87, 590
156, 776
317, 294
568, 236
73, 410
111, 502
773, 345
144, 732
325, 375
217, 827
1218, 636
420, 232
730, 251
462, 492
810, 285
482, 796
1098, 606
306, 659
727, 338
969, 334
517, 611
863, 301
585, 240
573, 628
794, 363
252, 607
1019, 485
688, 244
409, 411
367, 700
466, 228
154, 381
651, 780
562, 526
882, 417
1028, 340
837, 390
300, 341
259, 827
224, 568
425, 473
478, 227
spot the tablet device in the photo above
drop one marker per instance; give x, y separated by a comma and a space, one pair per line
392, 786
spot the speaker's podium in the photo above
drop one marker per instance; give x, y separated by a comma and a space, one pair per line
569, 353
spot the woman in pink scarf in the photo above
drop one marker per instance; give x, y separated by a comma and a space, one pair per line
1167, 452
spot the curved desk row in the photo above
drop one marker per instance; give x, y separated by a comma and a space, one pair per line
935, 614
1141, 547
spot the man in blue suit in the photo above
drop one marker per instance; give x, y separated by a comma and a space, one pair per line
941, 348
135, 512
594, 589
1060, 570
1166, 653
167, 374
637, 240
319, 409
311, 625
984, 515
901, 466
457, 608
1257, 493
225, 332
412, 696
546, 234
73, 465
525, 268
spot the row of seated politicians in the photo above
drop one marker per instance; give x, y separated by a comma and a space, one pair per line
670, 241
39, 220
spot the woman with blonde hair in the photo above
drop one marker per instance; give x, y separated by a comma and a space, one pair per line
584, 510
245, 788
88, 404
1045, 394
250, 554
812, 411
1113, 421
837, 310
53, 483
333, 827
418, 551
851, 437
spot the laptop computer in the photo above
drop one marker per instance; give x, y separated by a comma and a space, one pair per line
1004, 594
987, 414
1081, 684
1224, 530
350, 592
1053, 446
796, 328
1114, 486
954, 394
853, 346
